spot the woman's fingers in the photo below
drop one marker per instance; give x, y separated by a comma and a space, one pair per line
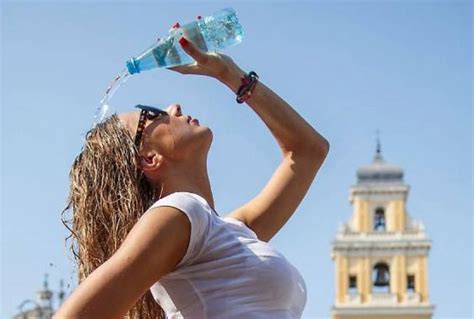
186, 69
205, 63
176, 25
191, 49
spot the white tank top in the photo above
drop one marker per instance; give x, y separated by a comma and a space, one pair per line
227, 272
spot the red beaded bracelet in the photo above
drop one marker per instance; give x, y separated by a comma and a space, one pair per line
249, 81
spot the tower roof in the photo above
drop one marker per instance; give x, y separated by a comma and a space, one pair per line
379, 171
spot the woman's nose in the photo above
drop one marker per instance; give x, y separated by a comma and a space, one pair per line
175, 109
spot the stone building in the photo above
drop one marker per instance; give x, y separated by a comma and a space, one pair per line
43, 306
381, 253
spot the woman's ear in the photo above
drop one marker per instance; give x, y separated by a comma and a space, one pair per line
151, 161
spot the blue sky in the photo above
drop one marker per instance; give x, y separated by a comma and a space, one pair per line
348, 68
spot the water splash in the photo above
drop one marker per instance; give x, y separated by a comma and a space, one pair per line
104, 106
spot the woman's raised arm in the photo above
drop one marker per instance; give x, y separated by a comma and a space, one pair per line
154, 246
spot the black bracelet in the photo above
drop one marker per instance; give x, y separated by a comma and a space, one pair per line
249, 81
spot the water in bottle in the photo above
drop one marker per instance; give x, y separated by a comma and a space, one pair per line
210, 34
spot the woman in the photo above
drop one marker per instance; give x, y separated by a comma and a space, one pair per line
180, 258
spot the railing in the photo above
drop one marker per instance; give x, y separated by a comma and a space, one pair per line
353, 299
382, 299
412, 298
379, 299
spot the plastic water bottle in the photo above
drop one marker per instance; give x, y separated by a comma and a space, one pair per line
210, 34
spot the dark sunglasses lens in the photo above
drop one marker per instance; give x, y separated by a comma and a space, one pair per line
150, 115
151, 112
154, 114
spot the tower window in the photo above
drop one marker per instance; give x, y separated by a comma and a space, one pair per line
379, 219
411, 283
352, 285
381, 278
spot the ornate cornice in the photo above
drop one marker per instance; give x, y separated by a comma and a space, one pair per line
346, 235
379, 191
381, 244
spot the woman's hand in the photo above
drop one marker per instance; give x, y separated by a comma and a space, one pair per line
216, 65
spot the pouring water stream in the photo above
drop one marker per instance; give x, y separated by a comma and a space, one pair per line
104, 106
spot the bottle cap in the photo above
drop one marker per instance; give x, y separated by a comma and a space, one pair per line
132, 66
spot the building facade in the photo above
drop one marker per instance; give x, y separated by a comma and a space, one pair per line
43, 306
381, 253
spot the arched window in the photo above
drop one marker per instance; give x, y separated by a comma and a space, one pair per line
381, 278
379, 219
352, 289
411, 283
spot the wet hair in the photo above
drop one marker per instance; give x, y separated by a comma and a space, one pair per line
108, 194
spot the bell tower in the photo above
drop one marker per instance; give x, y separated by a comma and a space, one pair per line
381, 253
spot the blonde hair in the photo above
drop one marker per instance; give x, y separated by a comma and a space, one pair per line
108, 194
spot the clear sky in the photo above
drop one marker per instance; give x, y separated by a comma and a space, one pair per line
348, 68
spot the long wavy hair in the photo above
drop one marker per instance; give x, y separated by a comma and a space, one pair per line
108, 194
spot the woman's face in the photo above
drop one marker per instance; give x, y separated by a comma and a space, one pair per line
174, 135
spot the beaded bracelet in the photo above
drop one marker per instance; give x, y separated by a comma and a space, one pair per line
248, 84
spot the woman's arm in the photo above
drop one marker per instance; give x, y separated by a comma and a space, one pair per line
303, 150
154, 246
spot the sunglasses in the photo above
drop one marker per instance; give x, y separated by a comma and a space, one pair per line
147, 113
